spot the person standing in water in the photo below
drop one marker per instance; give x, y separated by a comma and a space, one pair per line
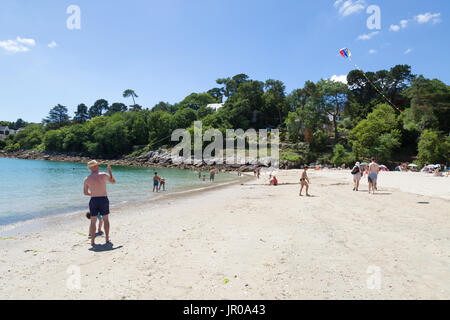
95, 187
304, 182
156, 182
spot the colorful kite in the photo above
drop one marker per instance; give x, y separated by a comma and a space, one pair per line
347, 55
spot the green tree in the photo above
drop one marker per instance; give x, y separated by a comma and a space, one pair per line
81, 115
333, 97
378, 135
98, 108
139, 131
115, 108
57, 117
340, 156
135, 108
130, 93
433, 148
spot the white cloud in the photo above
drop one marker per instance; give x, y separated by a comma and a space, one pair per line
394, 27
427, 17
348, 7
342, 78
404, 23
368, 36
27, 42
18, 45
52, 44
409, 50
372, 51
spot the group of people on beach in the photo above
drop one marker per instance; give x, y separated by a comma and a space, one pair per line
372, 171
212, 175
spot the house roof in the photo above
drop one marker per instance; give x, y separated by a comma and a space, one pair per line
2, 128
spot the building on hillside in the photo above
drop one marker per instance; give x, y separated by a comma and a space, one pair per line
4, 132
215, 106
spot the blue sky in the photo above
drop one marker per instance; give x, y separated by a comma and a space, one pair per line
165, 50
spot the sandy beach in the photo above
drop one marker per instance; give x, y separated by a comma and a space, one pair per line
249, 241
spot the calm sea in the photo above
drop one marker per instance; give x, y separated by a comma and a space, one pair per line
32, 188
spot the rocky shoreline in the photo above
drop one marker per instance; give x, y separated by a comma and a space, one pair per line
160, 158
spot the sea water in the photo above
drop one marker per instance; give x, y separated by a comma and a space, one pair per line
33, 189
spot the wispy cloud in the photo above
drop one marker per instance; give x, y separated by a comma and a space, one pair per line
368, 36
427, 17
342, 78
394, 28
52, 44
408, 51
17, 45
372, 51
348, 7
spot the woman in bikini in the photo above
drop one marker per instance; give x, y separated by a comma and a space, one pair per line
304, 181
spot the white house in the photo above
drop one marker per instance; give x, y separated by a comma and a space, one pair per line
4, 132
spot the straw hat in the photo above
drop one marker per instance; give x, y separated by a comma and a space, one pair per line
92, 163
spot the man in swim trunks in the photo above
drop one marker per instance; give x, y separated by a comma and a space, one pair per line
155, 182
212, 174
374, 169
95, 187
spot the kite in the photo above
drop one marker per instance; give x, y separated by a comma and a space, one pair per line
345, 53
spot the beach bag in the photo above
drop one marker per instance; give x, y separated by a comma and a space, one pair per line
355, 170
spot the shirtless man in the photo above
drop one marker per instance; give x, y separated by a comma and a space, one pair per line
374, 169
156, 182
212, 174
304, 181
95, 187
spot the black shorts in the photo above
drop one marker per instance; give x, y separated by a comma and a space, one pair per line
99, 205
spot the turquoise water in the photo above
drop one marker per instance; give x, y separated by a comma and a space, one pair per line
32, 188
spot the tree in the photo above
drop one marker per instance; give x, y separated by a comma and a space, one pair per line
115, 108
340, 156
130, 93
57, 117
275, 104
135, 108
81, 115
433, 148
139, 131
378, 135
430, 105
332, 97
97, 109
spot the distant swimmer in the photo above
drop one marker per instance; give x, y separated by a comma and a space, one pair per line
95, 187
374, 169
304, 181
156, 182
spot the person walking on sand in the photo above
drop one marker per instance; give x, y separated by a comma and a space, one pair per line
374, 169
156, 182
356, 172
95, 187
304, 182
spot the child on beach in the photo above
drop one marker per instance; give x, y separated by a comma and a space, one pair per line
162, 184
274, 181
100, 223
304, 181
156, 182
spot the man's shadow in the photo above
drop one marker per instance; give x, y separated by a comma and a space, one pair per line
104, 247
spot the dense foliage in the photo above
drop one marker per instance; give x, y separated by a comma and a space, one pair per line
326, 121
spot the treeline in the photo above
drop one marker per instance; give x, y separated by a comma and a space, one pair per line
327, 121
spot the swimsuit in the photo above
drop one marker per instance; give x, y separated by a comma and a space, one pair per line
373, 176
99, 206
155, 183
